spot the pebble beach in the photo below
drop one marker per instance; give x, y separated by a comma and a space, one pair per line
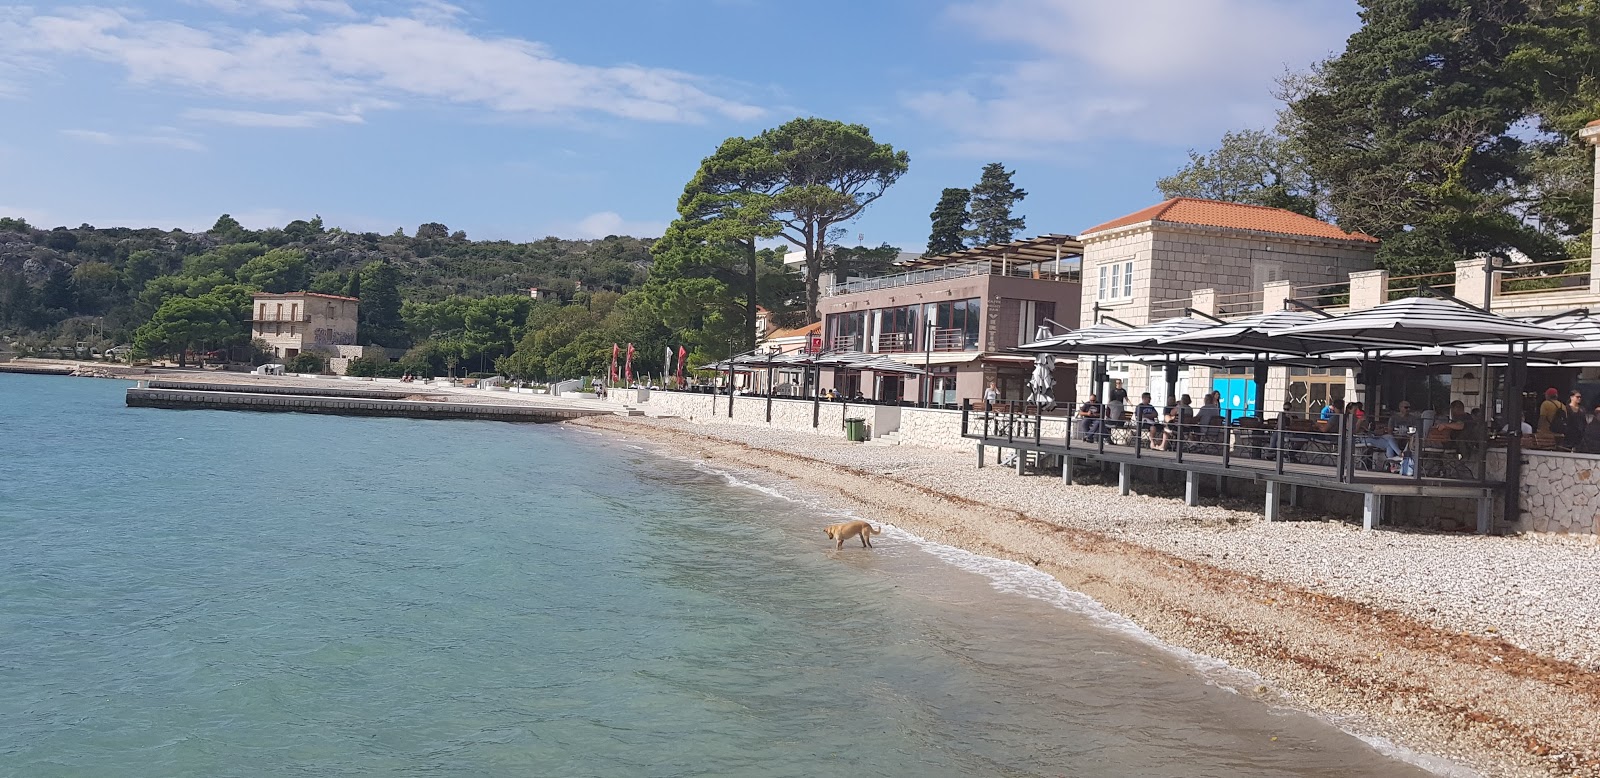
1481, 650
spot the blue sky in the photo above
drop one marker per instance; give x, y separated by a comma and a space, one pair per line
579, 119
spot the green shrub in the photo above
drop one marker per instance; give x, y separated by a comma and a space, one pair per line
305, 362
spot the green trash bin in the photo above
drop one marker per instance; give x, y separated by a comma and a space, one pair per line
855, 430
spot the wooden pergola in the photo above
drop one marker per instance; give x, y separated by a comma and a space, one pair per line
1053, 250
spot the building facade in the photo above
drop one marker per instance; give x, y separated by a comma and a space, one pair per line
293, 322
1147, 266
957, 316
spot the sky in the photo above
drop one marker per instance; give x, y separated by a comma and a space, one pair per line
517, 119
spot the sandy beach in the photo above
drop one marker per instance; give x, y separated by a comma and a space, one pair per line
1481, 650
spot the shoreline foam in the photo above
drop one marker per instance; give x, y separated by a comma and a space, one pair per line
1394, 683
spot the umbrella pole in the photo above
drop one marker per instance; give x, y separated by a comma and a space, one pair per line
1513, 489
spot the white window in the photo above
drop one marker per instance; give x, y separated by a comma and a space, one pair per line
1116, 280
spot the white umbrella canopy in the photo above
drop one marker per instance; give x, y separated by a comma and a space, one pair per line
1424, 321
1261, 333
1149, 339
1580, 323
884, 364
1063, 344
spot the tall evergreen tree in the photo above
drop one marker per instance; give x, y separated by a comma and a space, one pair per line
949, 222
993, 199
380, 321
1412, 129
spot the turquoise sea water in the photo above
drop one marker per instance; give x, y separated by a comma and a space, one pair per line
199, 593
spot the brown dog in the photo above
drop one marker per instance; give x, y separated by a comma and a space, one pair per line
850, 529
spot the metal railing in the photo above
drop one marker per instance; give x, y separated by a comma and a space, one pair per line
296, 317
1239, 303
1323, 295
844, 343
1070, 272
1401, 287
1536, 277
1346, 453
891, 342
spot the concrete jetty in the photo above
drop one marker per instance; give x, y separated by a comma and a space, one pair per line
35, 368
278, 399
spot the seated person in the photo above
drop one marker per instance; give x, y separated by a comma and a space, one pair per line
1093, 426
1210, 415
1146, 417
1384, 438
1179, 416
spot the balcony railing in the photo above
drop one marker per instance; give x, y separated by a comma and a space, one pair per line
889, 342
844, 343
299, 317
949, 340
1043, 271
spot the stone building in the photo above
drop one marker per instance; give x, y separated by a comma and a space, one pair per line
1146, 266
293, 322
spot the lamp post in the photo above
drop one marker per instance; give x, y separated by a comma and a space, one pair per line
927, 359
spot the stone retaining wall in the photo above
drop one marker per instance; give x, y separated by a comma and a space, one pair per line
348, 406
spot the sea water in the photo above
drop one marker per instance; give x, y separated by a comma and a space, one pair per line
205, 593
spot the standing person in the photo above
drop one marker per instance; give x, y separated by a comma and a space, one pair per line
990, 397
1591, 434
1552, 416
1115, 401
1576, 423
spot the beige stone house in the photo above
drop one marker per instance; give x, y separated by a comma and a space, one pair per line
293, 322
1145, 267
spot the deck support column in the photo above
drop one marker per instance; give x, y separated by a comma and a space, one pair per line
1371, 510
1294, 495
1485, 512
981, 447
1124, 479
1066, 470
1274, 510
1222, 485
1191, 488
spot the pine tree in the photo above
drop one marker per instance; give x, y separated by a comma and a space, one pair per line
990, 209
1414, 129
949, 222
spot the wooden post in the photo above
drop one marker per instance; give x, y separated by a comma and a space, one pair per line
1273, 508
1371, 510
1124, 479
1191, 488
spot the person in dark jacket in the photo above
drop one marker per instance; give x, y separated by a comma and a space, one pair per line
1577, 422
1591, 434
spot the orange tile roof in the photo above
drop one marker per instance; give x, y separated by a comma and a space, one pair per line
810, 329
1238, 216
1595, 123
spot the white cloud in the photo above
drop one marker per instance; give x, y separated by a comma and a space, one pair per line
264, 119
1157, 70
599, 225
317, 71
164, 137
289, 8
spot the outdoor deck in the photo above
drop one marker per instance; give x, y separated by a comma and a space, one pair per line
1312, 462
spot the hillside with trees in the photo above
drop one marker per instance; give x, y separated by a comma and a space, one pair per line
167, 291
455, 305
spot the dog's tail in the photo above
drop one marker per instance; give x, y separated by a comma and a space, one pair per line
871, 530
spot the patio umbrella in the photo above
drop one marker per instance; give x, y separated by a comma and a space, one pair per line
1063, 344
1424, 321
1580, 323
1260, 333
1148, 339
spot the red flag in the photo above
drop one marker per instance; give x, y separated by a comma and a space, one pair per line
683, 354
611, 377
628, 367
